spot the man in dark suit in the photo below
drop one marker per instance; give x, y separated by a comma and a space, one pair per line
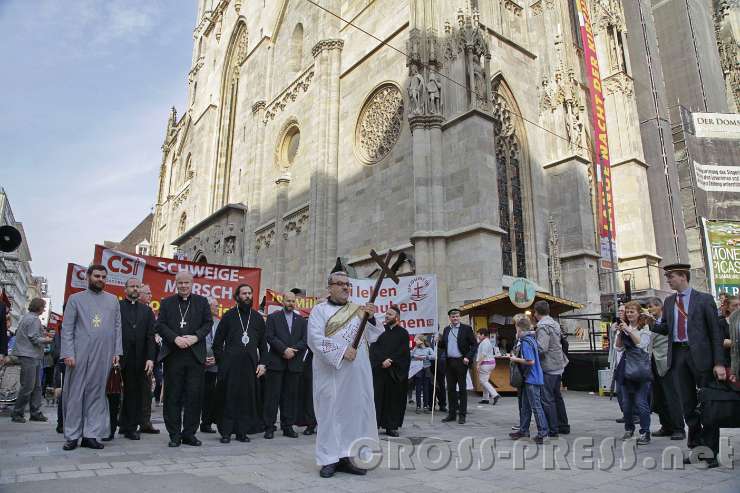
695, 354
286, 335
459, 344
184, 322
137, 334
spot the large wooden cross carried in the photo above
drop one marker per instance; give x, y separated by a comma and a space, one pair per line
385, 271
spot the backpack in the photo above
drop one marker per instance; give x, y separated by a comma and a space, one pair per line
516, 375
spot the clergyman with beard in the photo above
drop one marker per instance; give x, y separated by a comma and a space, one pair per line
184, 322
239, 347
91, 343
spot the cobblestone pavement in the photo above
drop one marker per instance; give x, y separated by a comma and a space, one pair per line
428, 457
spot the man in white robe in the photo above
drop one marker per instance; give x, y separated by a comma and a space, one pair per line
342, 378
91, 344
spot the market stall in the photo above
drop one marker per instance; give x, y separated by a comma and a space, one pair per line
496, 313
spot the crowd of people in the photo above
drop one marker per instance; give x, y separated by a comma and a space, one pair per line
343, 374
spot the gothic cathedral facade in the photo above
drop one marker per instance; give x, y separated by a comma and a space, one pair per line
456, 131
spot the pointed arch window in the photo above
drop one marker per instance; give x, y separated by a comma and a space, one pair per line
235, 55
296, 48
183, 224
512, 181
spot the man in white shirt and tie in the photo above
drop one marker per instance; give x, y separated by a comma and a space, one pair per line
287, 337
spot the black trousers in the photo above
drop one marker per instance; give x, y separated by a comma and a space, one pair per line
686, 379
134, 384
439, 382
305, 415
114, 407
281, 390
208, 413
457, 391
666, 403
183, 393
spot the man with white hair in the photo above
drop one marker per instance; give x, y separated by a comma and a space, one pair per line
184, 322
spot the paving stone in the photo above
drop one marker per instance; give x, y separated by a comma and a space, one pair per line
112, 472
59, 468
76, 474
94, 466
36, 477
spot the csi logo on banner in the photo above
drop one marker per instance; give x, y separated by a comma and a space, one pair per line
122, 266
79, 277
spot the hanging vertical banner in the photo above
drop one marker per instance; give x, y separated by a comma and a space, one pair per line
722, 240
602, 167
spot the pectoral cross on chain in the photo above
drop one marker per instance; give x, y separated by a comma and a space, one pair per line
183, 323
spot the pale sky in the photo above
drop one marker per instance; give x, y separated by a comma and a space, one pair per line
87, 88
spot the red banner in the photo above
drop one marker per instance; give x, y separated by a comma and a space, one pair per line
303, 304
55, 321
219, 281
607, 224
76, 280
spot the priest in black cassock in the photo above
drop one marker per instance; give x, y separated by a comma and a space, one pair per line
184, 322
239, 347
390, 358
137, 328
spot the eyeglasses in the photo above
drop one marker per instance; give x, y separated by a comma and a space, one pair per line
341, 284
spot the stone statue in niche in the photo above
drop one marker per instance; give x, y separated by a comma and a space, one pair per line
229, 245
416, 92
479, 81
434, 94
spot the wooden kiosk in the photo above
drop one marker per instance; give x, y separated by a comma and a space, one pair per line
496, 312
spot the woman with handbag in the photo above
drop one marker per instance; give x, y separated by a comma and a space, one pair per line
634, 372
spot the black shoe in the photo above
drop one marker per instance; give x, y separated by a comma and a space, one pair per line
91, 443
484, 401
461, 419
39, 417
662, 432
109, 437
628, 435
564, 430
225, 440
694, 439
495, 399
345, 465
149, 430
448, 418
174, 442
192, 441
242, 438
553, 435
132, 435
60, 429
207, 429
70, 445
539, 440
443, 409
269, 435
17, 419
678, 435
310, 430
391, 433
643, 439
290, 433
516, 435
619, 420
328, 470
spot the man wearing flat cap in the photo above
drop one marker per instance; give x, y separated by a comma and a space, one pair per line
459, 344
695, 354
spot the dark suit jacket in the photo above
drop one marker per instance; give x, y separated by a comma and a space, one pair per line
705, 337
466, 342
138, 342
199, 323
279, 339
3, 329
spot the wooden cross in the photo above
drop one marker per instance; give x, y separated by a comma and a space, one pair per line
385, 271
